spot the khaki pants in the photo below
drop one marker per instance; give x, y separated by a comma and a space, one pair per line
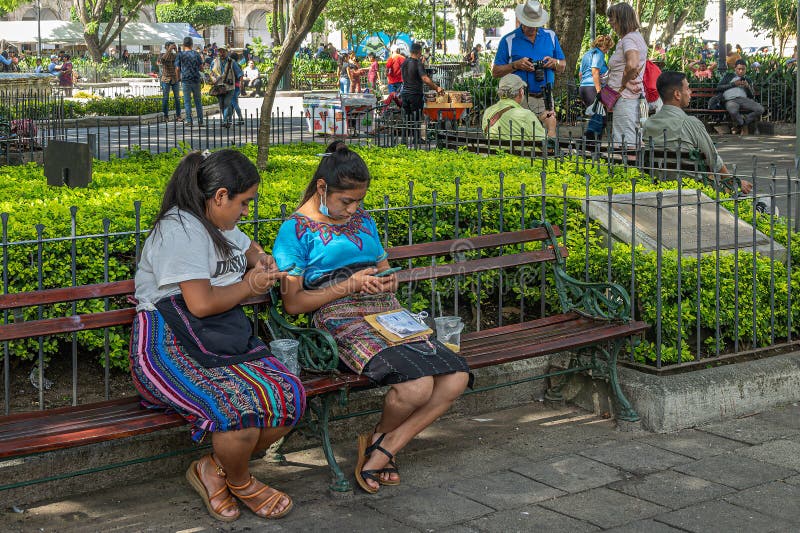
534, 104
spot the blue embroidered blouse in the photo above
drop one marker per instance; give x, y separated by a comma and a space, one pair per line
316, 248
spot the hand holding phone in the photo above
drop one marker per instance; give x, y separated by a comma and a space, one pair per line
387, 272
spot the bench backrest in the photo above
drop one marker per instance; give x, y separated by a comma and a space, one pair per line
79, 322
456, 248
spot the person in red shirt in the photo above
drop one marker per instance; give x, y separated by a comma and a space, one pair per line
394, 75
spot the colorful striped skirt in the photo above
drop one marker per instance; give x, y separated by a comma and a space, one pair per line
259, 393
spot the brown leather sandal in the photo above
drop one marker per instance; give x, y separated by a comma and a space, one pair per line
193, 477
272, 501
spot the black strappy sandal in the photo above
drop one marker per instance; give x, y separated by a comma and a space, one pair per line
392, 469
364, 451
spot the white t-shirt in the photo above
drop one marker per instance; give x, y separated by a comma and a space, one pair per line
617, 62
180, 249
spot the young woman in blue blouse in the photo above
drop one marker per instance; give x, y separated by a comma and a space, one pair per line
336, 251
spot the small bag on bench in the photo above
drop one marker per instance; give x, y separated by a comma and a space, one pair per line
715, 103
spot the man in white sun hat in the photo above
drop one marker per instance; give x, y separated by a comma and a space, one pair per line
533, 53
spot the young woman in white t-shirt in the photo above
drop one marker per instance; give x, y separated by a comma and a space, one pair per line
192, 347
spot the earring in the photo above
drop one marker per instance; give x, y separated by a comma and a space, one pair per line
323, 204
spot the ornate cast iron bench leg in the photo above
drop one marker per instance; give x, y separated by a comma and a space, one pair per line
626, 410
321, 407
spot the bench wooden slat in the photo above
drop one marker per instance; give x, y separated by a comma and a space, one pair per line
477, 265
502, 355
67, 294
67, 324
449, 247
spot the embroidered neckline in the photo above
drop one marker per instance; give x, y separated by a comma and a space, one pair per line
328, 231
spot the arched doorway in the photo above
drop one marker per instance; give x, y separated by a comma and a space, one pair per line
256, 26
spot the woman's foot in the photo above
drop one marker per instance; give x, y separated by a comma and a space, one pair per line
389, 475
374, 463
208, 480
263, 500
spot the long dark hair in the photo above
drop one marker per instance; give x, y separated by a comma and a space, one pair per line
198, 178
341, 168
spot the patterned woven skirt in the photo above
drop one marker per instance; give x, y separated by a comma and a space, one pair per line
367, 352
259, 393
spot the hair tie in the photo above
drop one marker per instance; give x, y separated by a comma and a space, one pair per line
325, 154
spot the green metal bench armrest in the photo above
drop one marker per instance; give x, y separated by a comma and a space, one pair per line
317, 351
598, 300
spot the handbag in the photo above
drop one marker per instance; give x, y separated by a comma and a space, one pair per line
609, 97
219, 89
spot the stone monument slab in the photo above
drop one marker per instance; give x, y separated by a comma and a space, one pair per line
692, 240
68, 163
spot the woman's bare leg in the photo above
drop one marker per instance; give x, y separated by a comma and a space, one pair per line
232, 450
446, 389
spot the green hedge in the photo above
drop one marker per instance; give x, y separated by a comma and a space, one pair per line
142, 176
125, 106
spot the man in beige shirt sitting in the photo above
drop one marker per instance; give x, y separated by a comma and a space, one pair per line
507, 119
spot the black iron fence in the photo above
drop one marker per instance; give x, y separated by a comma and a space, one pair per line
711, 285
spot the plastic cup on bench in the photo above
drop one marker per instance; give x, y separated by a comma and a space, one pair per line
448, 331
285, 350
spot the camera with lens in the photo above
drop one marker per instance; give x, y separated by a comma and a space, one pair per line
538, 69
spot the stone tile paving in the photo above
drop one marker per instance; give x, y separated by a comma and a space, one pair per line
429, 508
721, 517
779, 452
644, 526
671, 489
571, 474
524, 469
777, 499
735, 470
603, 507
693, 443
750, 430
504, 490
528, 519
636, 457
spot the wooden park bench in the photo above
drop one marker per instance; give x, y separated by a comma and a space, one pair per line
594, 323
698, 106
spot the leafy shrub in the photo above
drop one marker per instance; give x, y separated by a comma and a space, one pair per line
108, 203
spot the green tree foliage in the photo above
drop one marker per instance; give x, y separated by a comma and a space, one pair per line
669, 14
200, 15
776, 19
7, 6
487, 17
354, 18
91, 13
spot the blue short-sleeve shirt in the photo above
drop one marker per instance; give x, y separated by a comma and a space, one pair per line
594, 58
316, 248
545, 44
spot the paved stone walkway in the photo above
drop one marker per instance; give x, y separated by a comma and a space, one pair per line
527, 469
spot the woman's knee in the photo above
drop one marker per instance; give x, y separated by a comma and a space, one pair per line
451, 386
416, 392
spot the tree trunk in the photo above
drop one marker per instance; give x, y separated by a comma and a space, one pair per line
304, 14
673, 26
568, 20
